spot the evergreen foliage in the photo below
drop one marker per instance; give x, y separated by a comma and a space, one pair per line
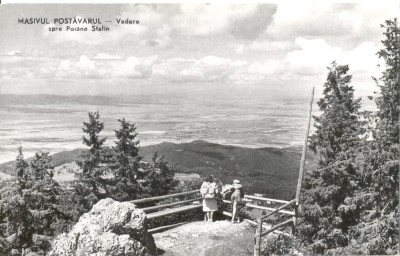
93, 158
156, 177
35, 208
124, 163
351, 198
90, 181
133, 178
30, 212
20, 167
336, 142
376, 201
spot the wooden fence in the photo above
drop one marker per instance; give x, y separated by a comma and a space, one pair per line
185, 206
259, 229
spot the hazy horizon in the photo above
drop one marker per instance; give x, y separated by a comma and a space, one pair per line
229, 73
247, 120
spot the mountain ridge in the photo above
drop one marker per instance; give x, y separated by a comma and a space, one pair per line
270, 171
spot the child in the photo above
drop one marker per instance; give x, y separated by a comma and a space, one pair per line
236, 197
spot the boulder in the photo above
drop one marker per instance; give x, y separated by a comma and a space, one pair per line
110, 228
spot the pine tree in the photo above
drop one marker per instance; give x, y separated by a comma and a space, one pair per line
159, 179
31, 211
385, 146
134, 178
90, 185
41, 167
387, 124
126, 135
376, 202
126, 149
20, 166
365, 219
93, 158
125, 163
337, 128
336, 143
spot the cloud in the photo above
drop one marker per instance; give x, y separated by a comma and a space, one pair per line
308, 58
105, 66
159, 23
85, 65
135, 67
132, 68
363, 59
319, 18
106, 56
102, 66
241, 20
304, 18
266, 68
82, 68
366, 17
160, 38
14, 53
264, 45
315, 55
251, 25
208, 68
9, 74
205, 19
312, 57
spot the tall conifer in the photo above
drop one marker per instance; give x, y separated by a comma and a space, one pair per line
336, 143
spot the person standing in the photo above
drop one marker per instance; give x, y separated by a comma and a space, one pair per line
209, 191
236, 197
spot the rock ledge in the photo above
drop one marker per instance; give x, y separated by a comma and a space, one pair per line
110, 228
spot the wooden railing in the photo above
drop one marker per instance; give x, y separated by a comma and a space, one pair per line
159, 198
259, 229
259, 224
185, 207
292, 213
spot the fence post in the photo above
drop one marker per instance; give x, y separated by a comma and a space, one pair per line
296, 215
257, 238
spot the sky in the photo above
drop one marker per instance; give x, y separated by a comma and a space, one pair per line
284, 47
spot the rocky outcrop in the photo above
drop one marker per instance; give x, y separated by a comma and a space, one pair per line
110, 228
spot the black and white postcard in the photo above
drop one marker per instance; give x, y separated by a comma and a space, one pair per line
200, 128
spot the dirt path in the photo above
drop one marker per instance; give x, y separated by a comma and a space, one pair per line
200, 238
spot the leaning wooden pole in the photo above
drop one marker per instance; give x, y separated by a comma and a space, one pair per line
303, 155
